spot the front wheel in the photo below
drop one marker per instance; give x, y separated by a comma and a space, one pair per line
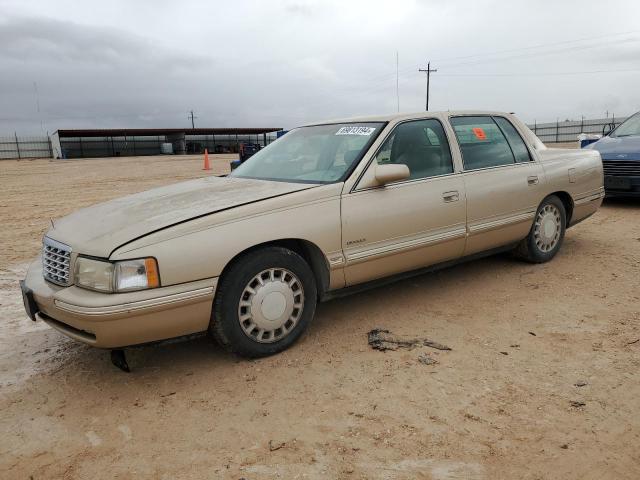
264, 302
547, 232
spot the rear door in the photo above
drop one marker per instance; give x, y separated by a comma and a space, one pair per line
411, 223
503, 181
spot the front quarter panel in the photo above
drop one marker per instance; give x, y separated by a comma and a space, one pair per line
202, 248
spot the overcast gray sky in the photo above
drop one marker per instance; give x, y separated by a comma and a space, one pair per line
146, 63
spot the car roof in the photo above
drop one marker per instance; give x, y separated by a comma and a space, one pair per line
407, 116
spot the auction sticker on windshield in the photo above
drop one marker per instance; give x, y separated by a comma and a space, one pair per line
356, 131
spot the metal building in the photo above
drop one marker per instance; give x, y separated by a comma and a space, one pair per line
88, 143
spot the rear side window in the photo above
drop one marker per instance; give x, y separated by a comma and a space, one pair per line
520, 150
482, 142
421, 145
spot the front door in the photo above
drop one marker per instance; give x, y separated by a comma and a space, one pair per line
503, 182
408, 224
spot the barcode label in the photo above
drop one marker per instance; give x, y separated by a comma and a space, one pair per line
366, 131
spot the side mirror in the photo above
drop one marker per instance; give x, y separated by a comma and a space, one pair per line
391, 173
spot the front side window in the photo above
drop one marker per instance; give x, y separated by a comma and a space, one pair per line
316, 154
482, 143
421, 145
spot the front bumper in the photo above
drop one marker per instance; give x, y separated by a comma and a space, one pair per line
119, 319
622, 186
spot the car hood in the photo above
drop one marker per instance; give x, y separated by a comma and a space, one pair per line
101, 228
619, 148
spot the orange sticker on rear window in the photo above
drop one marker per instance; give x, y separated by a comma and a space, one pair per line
479, 133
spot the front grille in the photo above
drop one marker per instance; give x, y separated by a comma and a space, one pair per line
56, 261
621, 168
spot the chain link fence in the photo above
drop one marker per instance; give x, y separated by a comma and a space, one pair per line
568, 130
23, 147
19, 148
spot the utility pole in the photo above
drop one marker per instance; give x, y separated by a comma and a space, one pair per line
428, 71
35, 89
193, 125
397, 81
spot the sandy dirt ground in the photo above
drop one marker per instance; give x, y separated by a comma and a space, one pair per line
542, 380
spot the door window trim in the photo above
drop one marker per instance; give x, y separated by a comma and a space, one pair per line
413, 180
510, 165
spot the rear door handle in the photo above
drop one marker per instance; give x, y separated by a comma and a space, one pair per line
532, 180
452, 196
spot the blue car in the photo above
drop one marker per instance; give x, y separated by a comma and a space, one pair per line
620, 152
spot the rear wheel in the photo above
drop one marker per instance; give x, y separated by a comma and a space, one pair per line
264, 302
547, 232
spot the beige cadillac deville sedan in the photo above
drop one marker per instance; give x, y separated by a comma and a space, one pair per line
326, 209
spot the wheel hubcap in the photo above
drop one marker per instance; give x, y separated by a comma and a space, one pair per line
271, 305
547, 228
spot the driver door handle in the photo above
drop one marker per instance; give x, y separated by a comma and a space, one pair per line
452, 196
532, 180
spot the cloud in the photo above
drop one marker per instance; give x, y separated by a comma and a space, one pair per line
92, 76
64, 42
300, 8
286, 62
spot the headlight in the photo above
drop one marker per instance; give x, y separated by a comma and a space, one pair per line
136, 274
124, 276
94, 274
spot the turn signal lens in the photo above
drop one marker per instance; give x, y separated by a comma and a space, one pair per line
153, 279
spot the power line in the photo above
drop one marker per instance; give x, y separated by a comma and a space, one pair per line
537, 54
486, 57
428, 71
540, 74
541, 45
408, 72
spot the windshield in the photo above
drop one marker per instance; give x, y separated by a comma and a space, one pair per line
631, 126
317, 154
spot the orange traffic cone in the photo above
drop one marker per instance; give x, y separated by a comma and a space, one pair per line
206, 160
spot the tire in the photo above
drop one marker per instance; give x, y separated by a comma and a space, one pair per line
263, 303
547, 232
